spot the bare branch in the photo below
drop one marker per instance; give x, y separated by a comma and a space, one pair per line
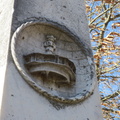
102, 13
106, 76
110, 96
109, 69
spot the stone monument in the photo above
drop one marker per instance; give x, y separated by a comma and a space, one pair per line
48, 68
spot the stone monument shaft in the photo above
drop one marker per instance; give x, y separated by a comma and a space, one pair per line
48, 68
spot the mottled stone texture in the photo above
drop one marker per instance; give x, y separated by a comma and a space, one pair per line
6, 12
19, 100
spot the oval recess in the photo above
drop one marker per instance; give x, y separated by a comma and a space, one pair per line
46, 60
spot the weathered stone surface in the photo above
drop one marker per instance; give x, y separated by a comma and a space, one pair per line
20, 101
6, 11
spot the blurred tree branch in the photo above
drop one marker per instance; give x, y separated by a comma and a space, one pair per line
110, 96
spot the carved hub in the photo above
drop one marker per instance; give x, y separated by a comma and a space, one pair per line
53, 61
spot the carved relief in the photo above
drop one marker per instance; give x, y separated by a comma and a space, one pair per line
53, 61
50, 44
